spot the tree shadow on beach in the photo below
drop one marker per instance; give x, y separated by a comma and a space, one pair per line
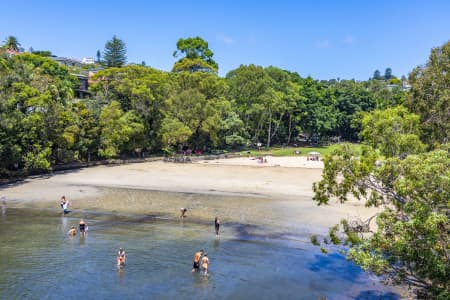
13, 182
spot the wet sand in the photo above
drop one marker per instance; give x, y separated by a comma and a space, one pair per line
277, 193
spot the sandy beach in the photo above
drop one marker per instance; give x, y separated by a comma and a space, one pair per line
238, 189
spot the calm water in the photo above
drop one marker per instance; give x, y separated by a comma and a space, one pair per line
40, 261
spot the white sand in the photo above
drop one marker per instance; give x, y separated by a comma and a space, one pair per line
286, 180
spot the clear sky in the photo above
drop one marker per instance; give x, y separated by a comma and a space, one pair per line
324, 39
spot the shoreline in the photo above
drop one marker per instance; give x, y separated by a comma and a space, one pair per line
238, 189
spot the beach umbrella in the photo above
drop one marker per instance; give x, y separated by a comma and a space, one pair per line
314, 153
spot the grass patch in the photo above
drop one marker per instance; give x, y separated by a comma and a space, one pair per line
291, 151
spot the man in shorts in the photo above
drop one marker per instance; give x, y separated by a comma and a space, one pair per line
197, 257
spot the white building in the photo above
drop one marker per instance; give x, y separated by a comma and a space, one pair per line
88, 61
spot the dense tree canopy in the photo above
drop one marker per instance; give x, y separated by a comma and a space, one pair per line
411, 187
430, 96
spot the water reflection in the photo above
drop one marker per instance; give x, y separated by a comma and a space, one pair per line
3, 199
216, 243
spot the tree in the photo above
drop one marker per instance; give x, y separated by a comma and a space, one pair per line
99, 56
429, 96
351, 99
388, 74
411, 240
115, 52
377, 75
394, 131
251, 88
119, 130
11, 43
197, 56
320, 114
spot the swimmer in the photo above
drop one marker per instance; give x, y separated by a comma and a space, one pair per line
82, 226
182, 212
216, 225
121, 256
205, 263
197, 256
72, 231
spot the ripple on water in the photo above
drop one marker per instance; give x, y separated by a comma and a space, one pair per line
39, 260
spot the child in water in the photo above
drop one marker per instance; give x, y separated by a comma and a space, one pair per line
72, 231
121, 257
205, 263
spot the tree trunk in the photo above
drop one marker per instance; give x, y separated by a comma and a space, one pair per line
289, 129
269, 129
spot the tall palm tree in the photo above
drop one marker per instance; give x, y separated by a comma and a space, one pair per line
11, 43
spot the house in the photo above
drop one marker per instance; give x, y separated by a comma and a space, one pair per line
88, 61
68, 62
83, 88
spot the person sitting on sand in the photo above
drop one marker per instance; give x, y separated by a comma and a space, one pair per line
121, 257
72, 231
205, 263
183, 212
216, 225
82, 226
197, 256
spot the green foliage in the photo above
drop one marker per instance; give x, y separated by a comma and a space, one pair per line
197, 56
351, 99
429, 96
11, 43
394, 131
411, 239
174, 132
119, 130
115, 53
377, 75
44, 53
388, 74
314, 240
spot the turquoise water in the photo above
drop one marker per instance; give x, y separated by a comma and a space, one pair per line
40, 261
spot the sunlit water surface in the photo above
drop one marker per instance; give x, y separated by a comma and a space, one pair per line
40, 261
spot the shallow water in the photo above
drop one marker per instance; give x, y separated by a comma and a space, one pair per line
40, 261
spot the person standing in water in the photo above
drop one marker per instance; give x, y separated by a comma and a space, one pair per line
121, 257
3, 198
72, 231
183, 211
205, 263
197, 257
64, 204
217, 225
82, 226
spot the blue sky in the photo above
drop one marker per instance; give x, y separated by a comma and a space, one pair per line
324, 39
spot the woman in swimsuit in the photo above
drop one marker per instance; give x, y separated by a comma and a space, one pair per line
82, 227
